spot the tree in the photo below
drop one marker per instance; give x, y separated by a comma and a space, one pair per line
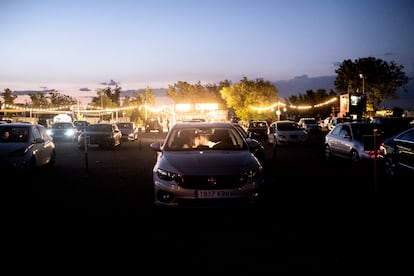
184, 92
374, 77
107, 98
313, 99
57, 99
246, 94
39, 100
146, 98
8, 96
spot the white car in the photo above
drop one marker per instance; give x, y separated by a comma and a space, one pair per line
286, 132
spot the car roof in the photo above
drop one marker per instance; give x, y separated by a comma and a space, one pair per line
17, 125
285, 122
202, 124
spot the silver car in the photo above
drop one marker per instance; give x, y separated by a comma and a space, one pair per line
25, 146
286, 133
129, 131
354, 141
203, 164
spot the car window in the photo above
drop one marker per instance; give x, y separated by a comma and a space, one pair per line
345, 131
99, 127
222, 138
288, 126
408, 136
42, 132
360, 130
14, 134
124, 125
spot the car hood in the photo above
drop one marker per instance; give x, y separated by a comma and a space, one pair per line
209, 161
7, 148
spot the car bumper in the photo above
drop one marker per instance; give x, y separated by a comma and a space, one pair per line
170, 195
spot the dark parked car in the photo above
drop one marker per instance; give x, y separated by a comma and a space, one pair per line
255, 146
397, 154
129, 131
80, 126
105, 135
258, 129
62, 131
25, 146
205, 165
153, 124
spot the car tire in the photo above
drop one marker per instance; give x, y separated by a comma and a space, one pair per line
328, 154
389, 168
52, 160
354, 157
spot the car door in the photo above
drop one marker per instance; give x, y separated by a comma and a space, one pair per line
42, 145
340, 145
405, 146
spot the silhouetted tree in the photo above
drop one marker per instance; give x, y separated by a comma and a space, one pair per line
376, 78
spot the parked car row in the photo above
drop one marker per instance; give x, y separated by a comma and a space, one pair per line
68, 131
209, 151
364, 142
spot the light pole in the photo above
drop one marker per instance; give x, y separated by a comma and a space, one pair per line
363, 82
278, 111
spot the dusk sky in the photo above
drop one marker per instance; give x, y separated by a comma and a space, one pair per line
72, 46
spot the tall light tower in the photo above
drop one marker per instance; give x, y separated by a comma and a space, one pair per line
363, 82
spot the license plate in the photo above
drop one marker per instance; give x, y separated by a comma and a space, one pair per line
212, 194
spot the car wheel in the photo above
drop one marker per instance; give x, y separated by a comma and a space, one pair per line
389, 167
354, 156
328, 154
52, 160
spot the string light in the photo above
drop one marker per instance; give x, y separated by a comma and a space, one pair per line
300, 107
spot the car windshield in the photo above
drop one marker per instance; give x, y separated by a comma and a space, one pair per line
62, 125
287, 126
124, 125
99, 127
14, 134
258, 125
212, 138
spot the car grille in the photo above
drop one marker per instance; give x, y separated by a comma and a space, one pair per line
212, 182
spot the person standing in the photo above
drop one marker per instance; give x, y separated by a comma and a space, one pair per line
168, 124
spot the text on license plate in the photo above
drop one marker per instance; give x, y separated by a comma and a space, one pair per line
212, 194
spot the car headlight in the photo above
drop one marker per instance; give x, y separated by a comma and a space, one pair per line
69, 132
251, 174
170, 176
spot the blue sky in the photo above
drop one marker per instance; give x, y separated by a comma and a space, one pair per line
70, 45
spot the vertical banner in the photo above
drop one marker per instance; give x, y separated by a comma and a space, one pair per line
344, 105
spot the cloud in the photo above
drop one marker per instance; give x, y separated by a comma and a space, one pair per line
111, 83
301, 77
84, 89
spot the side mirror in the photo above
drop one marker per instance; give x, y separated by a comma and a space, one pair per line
156, 146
